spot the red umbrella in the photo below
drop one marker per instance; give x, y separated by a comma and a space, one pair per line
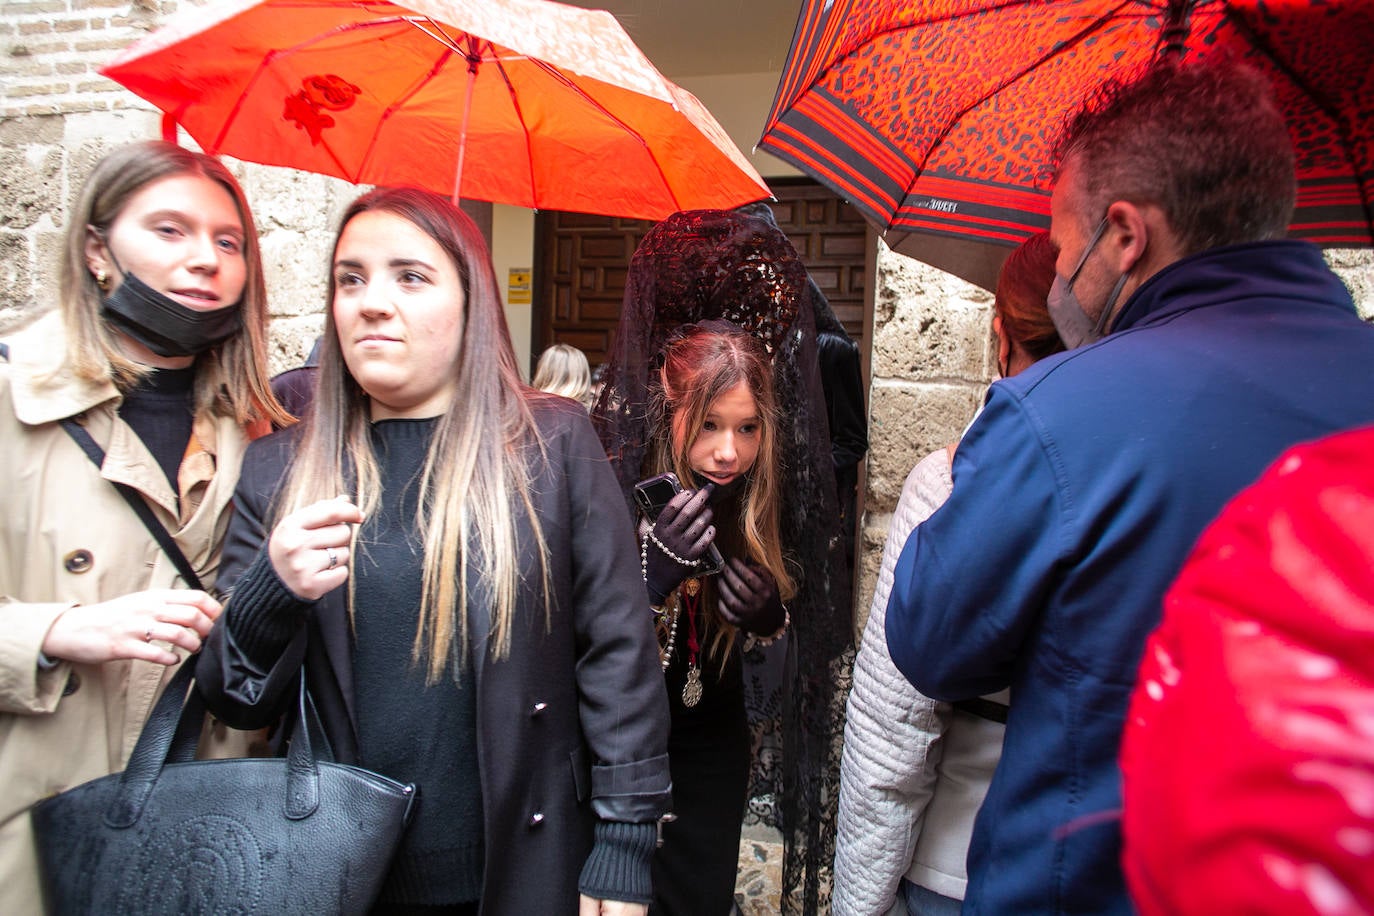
936, 118
1248, 753
524, 102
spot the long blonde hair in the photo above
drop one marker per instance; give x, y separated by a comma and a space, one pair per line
700, 363
563, 370
476, 472
231, 377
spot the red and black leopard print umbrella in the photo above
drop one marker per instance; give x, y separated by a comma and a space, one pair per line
937, 118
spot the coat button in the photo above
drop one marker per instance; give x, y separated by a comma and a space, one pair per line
537, 708
78, 561
73, 684
536, 818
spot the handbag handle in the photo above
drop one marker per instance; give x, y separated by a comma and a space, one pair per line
173, 731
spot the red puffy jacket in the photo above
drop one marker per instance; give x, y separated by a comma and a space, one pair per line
1248, 755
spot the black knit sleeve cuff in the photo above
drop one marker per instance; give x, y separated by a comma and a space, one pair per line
618, 867
263, 614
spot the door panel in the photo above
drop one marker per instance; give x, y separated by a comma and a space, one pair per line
583, 261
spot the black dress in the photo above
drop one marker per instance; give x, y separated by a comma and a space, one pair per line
708, 754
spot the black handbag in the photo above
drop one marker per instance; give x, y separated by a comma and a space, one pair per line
174, 835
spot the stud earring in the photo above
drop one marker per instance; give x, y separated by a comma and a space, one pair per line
102, 280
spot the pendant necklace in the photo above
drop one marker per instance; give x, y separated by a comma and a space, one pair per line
691, 598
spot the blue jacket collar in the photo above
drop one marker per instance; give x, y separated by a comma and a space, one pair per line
1284, 269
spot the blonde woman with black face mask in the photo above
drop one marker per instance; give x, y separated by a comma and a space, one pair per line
156, 352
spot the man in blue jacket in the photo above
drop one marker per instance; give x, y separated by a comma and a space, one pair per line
1208, 345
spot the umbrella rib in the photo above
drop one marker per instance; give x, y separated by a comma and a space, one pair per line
930, 20
269, 58
443, 38
1059, 47
520, 116
399, 102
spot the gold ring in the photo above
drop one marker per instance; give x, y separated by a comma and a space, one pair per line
148, 635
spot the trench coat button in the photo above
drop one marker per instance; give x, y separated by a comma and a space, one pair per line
536, 818
537, 708
73, 684
78, 561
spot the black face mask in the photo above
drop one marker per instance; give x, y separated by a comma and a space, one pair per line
165, 326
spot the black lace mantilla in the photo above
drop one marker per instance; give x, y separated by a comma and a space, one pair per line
739, 266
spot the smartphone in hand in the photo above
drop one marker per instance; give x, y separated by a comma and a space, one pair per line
653, 494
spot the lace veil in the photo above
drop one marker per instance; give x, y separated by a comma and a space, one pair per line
738, 266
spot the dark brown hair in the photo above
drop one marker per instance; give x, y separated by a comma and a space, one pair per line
1205, 142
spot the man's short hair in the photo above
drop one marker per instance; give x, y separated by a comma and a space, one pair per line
1204, 141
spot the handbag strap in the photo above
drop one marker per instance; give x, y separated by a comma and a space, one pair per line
302, 770
137, 503
163, 736
173, 731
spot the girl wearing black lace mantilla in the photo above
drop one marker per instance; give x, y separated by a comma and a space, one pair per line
714, 426
714, 377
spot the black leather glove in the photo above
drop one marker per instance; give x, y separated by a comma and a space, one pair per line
683, 528
748, 598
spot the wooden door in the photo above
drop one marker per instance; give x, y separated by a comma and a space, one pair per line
582, 262
831, 237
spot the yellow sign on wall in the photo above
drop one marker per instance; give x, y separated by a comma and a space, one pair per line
519, 286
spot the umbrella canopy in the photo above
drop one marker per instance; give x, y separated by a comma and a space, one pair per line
524, 102
937, 118
1248, 752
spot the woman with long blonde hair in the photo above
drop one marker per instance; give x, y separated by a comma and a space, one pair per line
149, 375
563, 370
420, 546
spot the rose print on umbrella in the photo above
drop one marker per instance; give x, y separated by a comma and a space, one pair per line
318, 94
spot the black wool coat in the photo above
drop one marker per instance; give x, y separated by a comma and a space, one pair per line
572, 724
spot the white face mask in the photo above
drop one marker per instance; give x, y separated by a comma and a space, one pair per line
1070, 319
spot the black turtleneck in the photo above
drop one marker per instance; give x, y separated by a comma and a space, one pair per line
160, 410
411, 731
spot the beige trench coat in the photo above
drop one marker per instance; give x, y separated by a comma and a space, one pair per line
67, 537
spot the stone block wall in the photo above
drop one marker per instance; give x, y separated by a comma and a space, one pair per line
931, 362
58, 116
